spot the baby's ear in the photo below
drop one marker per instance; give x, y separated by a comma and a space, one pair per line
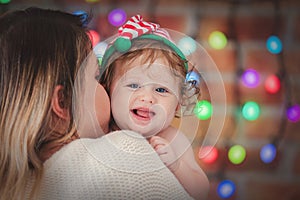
178, 107
58, 103
178, 110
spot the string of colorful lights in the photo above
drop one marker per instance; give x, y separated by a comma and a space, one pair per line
251, 110
250, 78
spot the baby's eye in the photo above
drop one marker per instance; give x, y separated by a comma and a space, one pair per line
133, 85
161, 90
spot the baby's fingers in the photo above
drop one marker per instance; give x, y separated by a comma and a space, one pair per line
158, 144
161, 150
155, 141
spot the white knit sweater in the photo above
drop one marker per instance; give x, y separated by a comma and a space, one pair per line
120, 165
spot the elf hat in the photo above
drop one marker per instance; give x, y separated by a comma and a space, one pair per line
137, 28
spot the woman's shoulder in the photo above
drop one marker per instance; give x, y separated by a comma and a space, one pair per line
98, 148
123, 150
121, 164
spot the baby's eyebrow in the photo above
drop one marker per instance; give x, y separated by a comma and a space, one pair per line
130, 77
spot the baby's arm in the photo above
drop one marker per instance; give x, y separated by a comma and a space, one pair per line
175, 151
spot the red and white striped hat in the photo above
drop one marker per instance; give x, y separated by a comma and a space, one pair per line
137, 28
134, 28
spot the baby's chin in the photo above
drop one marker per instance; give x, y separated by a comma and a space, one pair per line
145, 131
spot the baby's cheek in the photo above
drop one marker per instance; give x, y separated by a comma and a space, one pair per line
102, 108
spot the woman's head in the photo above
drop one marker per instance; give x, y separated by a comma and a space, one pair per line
41, 52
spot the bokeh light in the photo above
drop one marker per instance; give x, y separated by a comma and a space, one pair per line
274, 45
217, 40
84, 16
268, 153
250, 78
187, 45
208, 154
226, 189
293, 113
251, 110
4, 1
100, 48
272, 84
99, 51
193, 78
117, 17
203, 110
94, 37
237, 154
92, 1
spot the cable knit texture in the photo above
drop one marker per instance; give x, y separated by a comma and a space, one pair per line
120, 165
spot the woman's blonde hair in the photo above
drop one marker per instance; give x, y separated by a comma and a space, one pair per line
40, 49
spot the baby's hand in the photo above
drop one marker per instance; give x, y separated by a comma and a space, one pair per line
165, 152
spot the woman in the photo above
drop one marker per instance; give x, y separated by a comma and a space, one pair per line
41, 154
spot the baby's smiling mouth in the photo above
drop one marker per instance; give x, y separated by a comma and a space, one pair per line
143, 113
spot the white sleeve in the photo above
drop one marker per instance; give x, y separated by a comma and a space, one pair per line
119, 165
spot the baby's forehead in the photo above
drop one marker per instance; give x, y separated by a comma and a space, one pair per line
155, 71
159, 65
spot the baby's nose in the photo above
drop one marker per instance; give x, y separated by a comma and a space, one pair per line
146, 95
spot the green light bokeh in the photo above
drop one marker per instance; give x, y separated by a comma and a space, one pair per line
4, 1
203, 110
251, 110
99, 61
217, 40
237, 154
92, 1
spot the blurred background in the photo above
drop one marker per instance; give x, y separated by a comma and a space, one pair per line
256, 47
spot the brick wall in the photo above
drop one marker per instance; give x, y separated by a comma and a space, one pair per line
253, 24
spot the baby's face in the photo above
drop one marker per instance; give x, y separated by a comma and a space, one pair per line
145, 98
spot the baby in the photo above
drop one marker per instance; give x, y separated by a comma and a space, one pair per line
145, 76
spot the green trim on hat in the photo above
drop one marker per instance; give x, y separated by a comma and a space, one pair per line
123, 45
